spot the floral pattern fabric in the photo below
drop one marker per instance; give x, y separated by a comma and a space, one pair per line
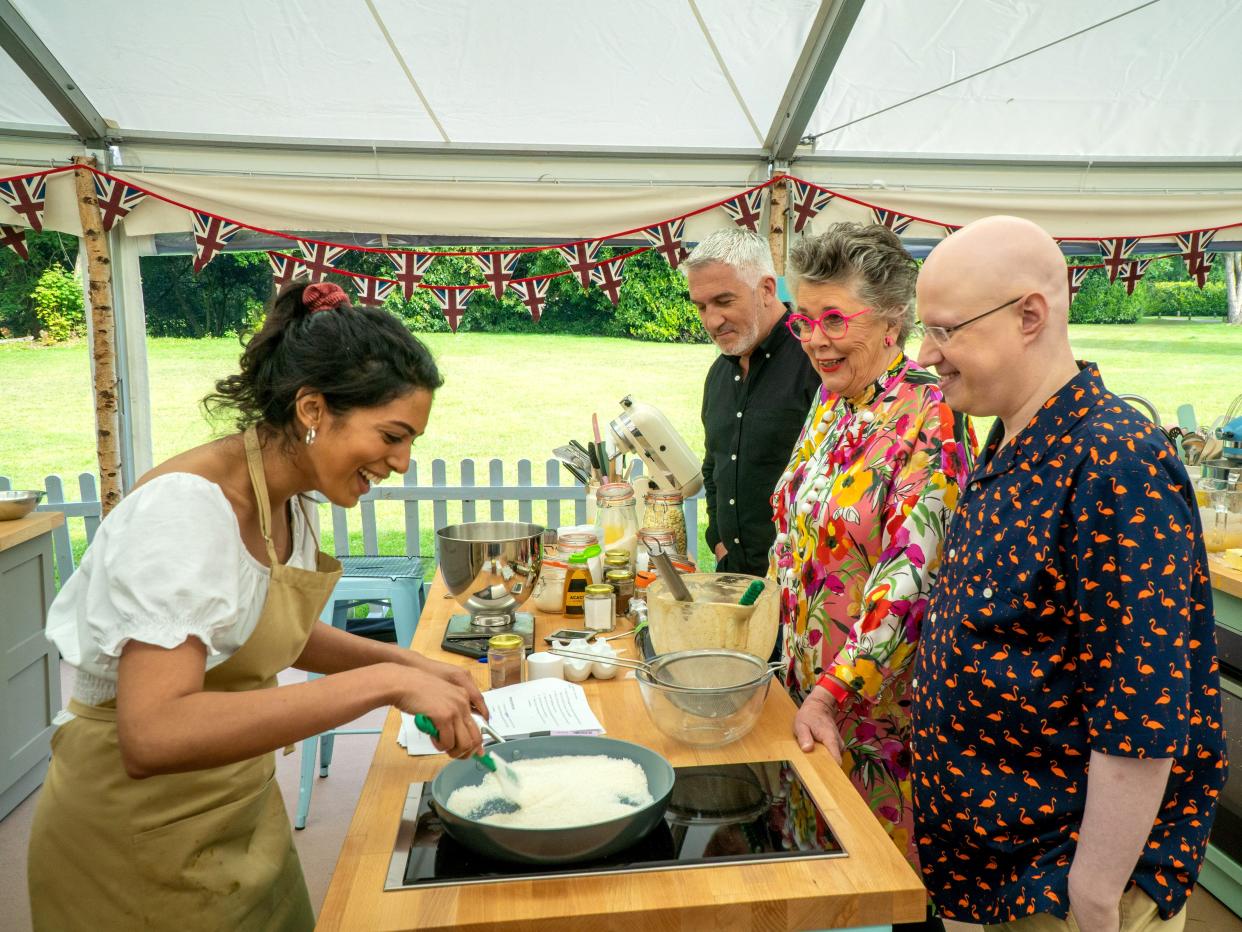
860, 516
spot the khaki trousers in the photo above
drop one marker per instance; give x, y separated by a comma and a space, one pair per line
1138, 914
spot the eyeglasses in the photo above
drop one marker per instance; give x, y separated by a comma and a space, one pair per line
834, 323
940, 335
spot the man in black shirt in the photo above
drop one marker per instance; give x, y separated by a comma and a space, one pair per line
756, 397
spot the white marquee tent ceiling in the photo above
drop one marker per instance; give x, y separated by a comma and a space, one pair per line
1153, 84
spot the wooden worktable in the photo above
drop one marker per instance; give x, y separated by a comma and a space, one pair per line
873, 886
17, 532
1225, 578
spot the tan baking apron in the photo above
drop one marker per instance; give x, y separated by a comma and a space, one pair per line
211, 849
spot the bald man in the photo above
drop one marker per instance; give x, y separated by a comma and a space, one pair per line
1067, 744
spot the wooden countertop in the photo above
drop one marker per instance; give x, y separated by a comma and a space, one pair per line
872, 886
1225, 578
17, 532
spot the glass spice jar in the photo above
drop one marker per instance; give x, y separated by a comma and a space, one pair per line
653, 540
506, 655
664, 510
617, 517
617, 560
600, 606
622, 582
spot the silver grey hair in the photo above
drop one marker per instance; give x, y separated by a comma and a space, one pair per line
868, 258
746, 252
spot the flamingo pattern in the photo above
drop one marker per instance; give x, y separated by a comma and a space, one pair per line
1075, 562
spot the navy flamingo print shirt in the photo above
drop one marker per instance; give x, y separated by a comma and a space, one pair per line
1073, 613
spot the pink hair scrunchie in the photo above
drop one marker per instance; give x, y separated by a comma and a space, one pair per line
323, 296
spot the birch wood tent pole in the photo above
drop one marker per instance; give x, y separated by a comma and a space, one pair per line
777, 223
103, 337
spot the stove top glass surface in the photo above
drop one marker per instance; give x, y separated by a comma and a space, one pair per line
722, 814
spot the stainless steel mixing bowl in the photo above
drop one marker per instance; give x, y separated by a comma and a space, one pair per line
490, 567
17, 504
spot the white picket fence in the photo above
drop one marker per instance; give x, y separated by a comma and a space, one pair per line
494, 501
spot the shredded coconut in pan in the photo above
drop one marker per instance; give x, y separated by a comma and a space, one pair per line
558, 792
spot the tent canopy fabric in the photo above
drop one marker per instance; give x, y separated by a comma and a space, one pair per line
707, 74
556, 119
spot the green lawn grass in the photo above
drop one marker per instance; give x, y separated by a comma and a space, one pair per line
517, 396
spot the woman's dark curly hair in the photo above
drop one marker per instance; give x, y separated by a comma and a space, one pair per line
358, 357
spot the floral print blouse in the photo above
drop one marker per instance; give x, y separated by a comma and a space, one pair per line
860, 517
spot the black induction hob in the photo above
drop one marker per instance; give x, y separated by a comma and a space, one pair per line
724, 814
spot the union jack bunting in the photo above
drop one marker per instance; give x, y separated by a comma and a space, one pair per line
497, 270
949, 229
746, 208
211, 235
116, 199
320, 258
285, 268
1134, 273
666, 238
533, 292
1194, 250
1076, 274
891, 219
808, 201
580, 257
1117, 254
453, 303
411, 267
15, 239
608, 276
372, 292
27, 197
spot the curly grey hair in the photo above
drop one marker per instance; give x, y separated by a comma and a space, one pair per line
868, 258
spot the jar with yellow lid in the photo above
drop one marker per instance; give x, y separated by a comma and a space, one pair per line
600, 604
506, 656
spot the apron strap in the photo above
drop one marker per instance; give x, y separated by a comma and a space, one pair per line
254, 463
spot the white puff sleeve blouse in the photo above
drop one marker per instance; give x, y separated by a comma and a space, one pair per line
167, 564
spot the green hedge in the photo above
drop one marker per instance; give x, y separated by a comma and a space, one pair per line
1185, 299
1098, 302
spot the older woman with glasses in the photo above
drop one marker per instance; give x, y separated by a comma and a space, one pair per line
861, 510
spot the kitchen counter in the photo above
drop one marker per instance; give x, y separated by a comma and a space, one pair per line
1225, 578
1222, 870
871, 888
34, 524
29, 664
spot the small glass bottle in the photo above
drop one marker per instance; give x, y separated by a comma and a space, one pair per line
600, 605
577, 578
506, 656
664, 510
618, 517
622, 581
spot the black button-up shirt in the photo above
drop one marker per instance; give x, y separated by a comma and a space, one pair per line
750, 426
1072, 614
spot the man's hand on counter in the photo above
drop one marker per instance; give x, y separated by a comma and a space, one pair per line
817, 721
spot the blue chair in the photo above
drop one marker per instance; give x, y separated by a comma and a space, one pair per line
395, 580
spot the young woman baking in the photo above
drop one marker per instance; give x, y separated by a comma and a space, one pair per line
160, 808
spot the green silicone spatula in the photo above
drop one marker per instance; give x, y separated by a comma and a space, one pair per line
506, 776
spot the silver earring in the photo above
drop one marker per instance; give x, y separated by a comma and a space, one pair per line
310, 436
